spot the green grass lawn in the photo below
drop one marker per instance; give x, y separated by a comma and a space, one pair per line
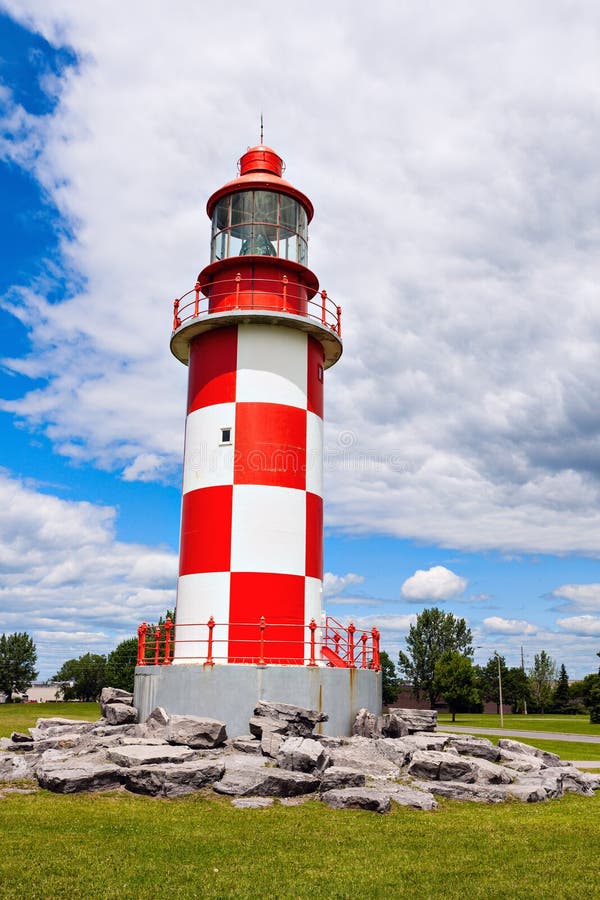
119, 845
566, 724
21, 716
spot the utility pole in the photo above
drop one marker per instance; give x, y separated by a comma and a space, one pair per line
497, 655
523, 668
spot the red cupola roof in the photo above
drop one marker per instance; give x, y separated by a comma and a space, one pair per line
260, 168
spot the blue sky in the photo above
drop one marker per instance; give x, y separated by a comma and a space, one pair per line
453, 168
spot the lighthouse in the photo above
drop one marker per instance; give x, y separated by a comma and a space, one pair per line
257, 335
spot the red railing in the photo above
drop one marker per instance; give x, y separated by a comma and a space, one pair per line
268, 294
259, 643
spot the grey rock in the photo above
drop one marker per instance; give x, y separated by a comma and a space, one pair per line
127, 741
424, 741
301, 755
252, 802
362, 754
459, 790
110, 696
18, 737
246, 781
516, 747
76, 775
434, 765
532, 793
158, 718
416, 719
148, 755
468, 745
573, 781
102, 729
73, 725
196, 731
260, 725
367, 724
299, 721
8, 746
551, 784
120, 714
491, 773
358, 798
393, 726
15, 766
173, 779
519, 762
394, 750
408, 796
246, 743
341, 777
270, 743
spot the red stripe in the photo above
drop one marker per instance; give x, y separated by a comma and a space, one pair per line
206, 530
213, 360
280, 599
315, 375
314, 536
270, 445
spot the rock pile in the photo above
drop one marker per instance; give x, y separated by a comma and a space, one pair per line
396, 758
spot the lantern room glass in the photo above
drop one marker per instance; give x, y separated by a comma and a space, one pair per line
259, 223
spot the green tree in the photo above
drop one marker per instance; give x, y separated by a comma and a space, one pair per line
542, 678
561, 698
593, 696
434, 633
389, 679
18, 657
87, 677
515, 689
456, 680
488, 683
120, 665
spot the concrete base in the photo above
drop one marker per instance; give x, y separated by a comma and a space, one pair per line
230, 693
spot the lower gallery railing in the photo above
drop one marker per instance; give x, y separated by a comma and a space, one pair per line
259, 643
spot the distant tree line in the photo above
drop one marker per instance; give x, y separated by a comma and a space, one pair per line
438, 665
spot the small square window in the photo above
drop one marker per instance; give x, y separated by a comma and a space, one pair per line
225, 435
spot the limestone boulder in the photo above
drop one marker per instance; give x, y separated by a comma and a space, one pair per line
120, 714
246, 743
173, 779
393, 726
467, 745
416, 719
110, 695
367, 724
423, 741
362, 755
394, 750
79, 774
252, 802
245, 776
158, 719
405, 795
341, 777
459, 790
19, 737
300, 754
433, 765
196, 731
129, 757
518, 748
299, 721
15, 766
358, 798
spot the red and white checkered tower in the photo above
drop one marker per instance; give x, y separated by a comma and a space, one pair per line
257, 335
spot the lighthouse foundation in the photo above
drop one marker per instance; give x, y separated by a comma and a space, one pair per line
230, 693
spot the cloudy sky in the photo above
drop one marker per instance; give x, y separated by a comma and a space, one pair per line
451, 152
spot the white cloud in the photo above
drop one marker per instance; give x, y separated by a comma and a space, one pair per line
436, 583
335, 584
68, 581
498, 625
581, 597
461, 239
581, 624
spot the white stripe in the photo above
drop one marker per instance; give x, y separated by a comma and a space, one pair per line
208, 462
271, 365
198, 598
314, 454
268, 530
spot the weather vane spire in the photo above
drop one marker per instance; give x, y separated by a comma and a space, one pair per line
261, 128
